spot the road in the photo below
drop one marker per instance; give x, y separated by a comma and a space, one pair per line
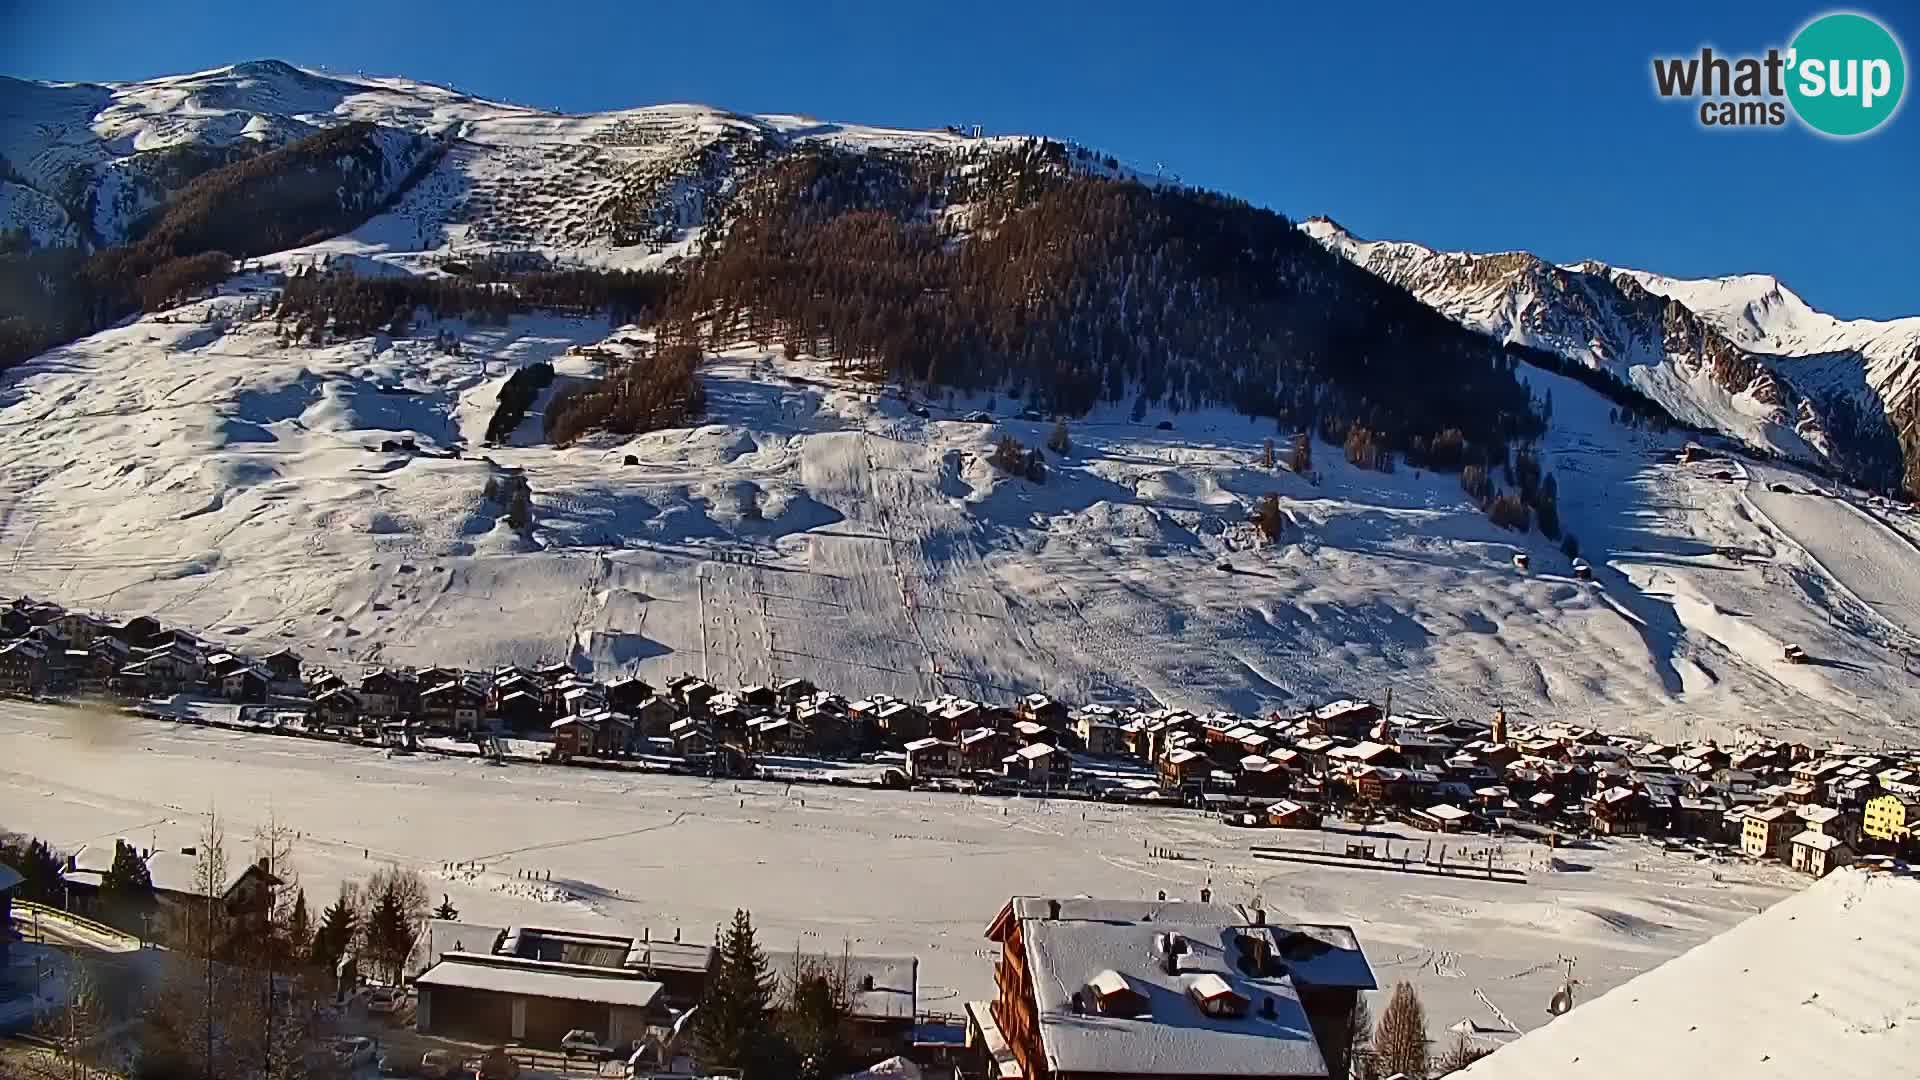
51, 926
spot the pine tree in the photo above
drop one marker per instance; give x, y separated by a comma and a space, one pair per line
299, 928
1400, 1040
446, 910
338, 925
390, 934
126, 890
1360, 1060
815, 1006
734, 1018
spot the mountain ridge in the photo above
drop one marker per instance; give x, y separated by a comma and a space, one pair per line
1742, 354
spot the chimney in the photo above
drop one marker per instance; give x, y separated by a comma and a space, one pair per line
1259, 916
1267, 1009
1078, 1004
676, 935
1206, 896
646, 934
1053, 910
866, 983
265, 864
1163, 896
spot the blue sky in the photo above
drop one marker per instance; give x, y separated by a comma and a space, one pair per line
1493, 125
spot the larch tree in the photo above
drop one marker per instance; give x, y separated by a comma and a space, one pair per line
1400, 1039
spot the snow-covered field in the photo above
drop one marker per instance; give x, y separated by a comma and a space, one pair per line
881, 871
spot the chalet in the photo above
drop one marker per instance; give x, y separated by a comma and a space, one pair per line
652, 716
136, 631
455, 705
775, 735
1833, 821
882, 1002
793, 691
928, 758
177, 885
1344, 719
1093, 988
724, 713
81, 629
1767, 834
902, 721
283, 668
691, 736
1261, 777
1817, 853
576, 736
1038, 765
1378, 755
1316, 751
691, 693
1042, 710
1181, 768
339, 706
1098, 729
170, 668
521, 711
246, 685
1443, 817
1618, 811
627, 694
219, 665
980, 750
1287, 814
383, 691
24, 667
758, 699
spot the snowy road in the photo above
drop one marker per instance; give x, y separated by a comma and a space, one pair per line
883, 872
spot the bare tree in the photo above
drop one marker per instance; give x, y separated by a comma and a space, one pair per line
1461, 1054
72, 1031
1400, 1040
1359, 1056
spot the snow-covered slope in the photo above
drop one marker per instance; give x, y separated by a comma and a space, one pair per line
601, 188
815, 527
1700, 348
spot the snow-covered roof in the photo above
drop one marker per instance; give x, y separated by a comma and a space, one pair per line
1172, 1036
530, 978
896, 987
1817, 985
1817, 840
1448, 812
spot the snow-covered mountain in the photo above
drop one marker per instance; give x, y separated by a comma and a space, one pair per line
81, 162
1741, 355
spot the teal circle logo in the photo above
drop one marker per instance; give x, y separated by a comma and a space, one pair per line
1847, 74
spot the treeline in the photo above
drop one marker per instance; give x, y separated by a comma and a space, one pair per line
646, 394
316, 304
516, 397
1070, 291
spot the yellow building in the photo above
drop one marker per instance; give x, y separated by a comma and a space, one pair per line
1889, 818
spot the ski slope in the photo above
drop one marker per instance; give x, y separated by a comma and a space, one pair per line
816, 527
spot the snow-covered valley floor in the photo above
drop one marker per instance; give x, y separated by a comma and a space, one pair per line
187, 465
877, 871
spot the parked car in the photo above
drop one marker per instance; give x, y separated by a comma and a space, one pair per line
979, 418
920, 411
1164, 425
397, 1064
585, 1043
386, 999
353, 1051
438, 1064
